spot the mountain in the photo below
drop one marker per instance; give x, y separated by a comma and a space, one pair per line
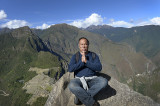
21, 49
5, 30
144, 39
36, 31
156, 59
119, 60
115, 94
147, 84
32, 60
115, 34
98, 27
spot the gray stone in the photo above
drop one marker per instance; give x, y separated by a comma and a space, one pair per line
115, 94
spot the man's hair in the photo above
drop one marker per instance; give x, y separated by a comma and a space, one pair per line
85, 39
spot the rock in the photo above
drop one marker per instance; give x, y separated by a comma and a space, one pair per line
115, 94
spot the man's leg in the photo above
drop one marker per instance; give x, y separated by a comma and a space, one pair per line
76, 88
96, 84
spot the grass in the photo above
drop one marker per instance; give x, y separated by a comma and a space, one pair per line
148, 84
40, 101
16, 57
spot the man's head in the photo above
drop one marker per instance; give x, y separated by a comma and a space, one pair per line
83, 44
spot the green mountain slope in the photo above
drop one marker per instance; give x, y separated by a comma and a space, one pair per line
123, 62
156, 59
19, 50
147, 84
115, 34
63, 39
117, 59
5, 30
144, 39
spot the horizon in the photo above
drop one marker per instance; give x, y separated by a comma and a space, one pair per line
74, 26
79, 13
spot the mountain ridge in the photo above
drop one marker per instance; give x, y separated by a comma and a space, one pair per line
20, 49
49, 47
63, 39
143, 38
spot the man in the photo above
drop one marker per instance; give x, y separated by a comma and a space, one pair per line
86, 84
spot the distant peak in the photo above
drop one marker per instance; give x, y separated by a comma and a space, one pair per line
21, 32
92, 27
61, 26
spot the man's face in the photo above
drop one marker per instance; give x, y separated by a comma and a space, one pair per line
83, 45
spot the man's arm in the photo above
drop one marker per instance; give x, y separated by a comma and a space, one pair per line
96, 65
73, 66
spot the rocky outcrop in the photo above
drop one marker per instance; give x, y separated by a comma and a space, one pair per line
115, 94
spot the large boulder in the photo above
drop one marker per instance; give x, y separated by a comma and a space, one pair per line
115, 94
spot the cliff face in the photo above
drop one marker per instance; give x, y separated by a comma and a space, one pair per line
115, 94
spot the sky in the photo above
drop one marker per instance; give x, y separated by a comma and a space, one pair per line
41, 14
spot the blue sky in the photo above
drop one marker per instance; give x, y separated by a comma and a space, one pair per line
80, 13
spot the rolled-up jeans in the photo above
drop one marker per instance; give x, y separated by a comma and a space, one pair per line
87, 96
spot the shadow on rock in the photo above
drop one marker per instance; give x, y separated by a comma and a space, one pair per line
107, 92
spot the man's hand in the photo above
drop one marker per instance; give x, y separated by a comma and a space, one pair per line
83, 57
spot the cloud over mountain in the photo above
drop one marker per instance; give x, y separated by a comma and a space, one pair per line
3, 15
96, 19
44, 26
15, 24
153, 21
11, 23
156, 20
93, 19
120, 24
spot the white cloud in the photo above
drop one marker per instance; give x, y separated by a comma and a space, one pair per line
132, 23
15, 24
44, 26
144, 23
155, 21
93, 19
120, 24
96, 19
3, 15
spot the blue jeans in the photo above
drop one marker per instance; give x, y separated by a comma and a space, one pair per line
86, 96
